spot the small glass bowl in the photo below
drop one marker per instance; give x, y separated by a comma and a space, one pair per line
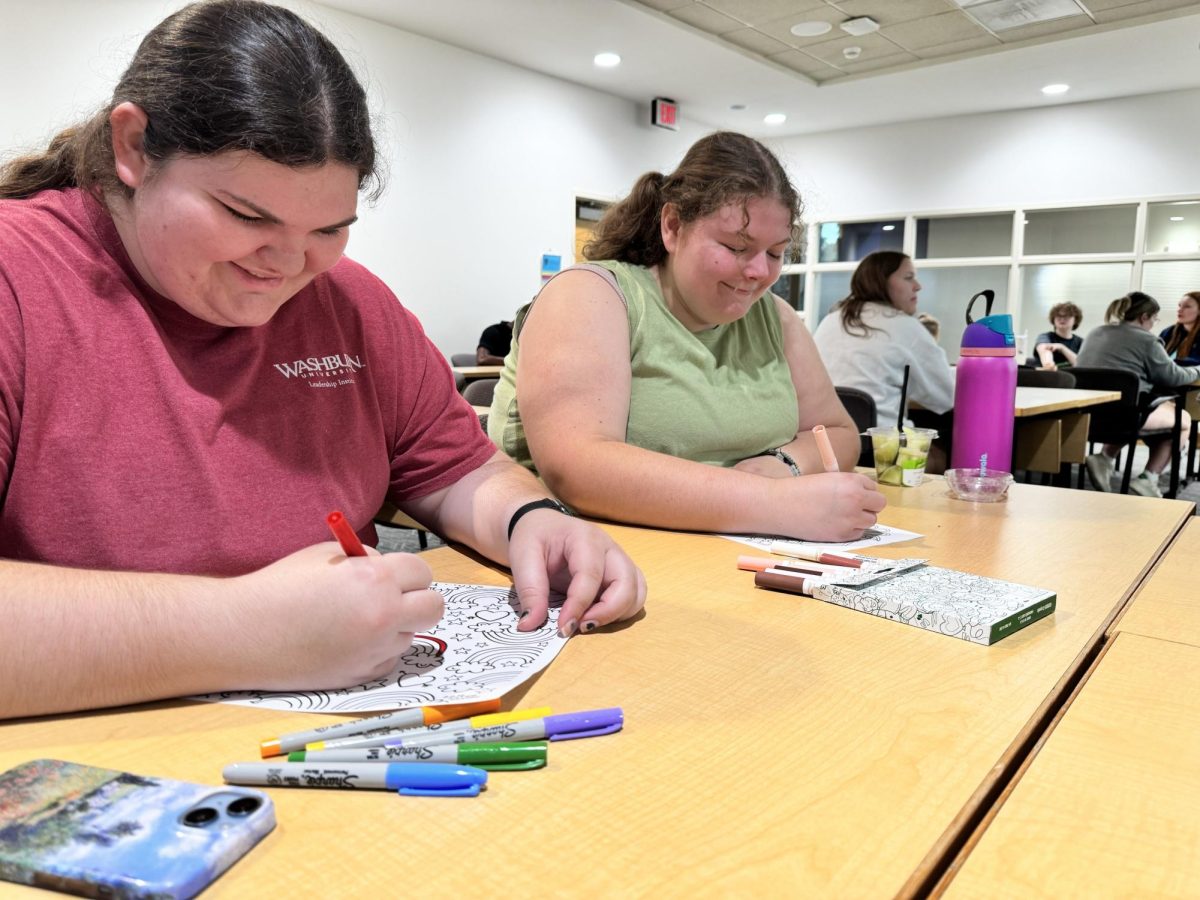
970, 484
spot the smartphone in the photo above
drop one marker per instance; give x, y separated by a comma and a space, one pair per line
103, 833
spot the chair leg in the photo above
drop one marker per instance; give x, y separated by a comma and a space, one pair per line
1128, 451
422, 539
1191, 461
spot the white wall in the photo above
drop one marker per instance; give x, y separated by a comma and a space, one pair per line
1115, 149
485, 158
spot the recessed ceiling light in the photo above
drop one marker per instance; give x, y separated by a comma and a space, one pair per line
774, 118
1176, 218
811, 29
1056, 89
852, 52
889, 228
606, 60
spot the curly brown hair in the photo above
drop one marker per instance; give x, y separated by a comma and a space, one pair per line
719, 169
1066, 309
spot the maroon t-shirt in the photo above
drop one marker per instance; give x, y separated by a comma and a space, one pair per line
135, 436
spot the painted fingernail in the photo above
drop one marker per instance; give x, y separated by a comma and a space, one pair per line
567, 629
588, 626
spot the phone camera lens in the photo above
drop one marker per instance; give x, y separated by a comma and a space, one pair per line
200, 816
243, 806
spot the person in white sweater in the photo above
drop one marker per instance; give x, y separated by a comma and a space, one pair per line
871, 335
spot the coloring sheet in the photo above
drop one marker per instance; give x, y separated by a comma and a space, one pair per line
875, 536
474, 653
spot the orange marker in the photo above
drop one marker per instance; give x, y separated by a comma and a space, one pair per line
345, 535
828, 457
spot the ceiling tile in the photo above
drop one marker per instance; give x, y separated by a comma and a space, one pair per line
873, 45
863, 64
755, 12
664, 5
1105, 13
941, 29
1055, 26
954, 47
891, 12
705, 19
781, 29
799, 61
750, 39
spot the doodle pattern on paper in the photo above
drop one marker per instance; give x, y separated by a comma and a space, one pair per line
875, 536
475, 653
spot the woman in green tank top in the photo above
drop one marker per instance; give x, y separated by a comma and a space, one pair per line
665, 385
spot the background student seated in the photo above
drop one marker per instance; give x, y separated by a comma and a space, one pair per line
494, 344
1126, 340
664, 385
1059, 347
1180, 338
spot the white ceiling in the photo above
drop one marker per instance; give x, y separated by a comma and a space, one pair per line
662, 56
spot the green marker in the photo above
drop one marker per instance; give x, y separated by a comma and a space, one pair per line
496, 757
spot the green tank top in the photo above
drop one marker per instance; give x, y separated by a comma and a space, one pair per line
717, 396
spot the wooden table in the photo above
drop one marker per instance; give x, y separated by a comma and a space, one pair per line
1107, 807
470, 373
773, 744
1167, 606
1050, 430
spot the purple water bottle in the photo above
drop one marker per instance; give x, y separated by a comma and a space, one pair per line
985, 392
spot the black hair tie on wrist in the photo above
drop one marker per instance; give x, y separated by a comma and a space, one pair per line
545, 503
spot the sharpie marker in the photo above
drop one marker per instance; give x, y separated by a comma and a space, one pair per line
833, 559
394, 734
345, 535
386, 723
557, 728
411, 779
776, 580
498, 757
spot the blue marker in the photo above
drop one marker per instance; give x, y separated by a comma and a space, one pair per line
556, 728
410, 779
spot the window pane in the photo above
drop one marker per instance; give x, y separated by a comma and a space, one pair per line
946, 292
1090, 286
1093, 229
1166, 282
790, 288
851, 241
831, 287
952, 236
1173, 227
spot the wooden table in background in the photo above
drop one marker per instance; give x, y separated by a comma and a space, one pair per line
1050, 429
472, 372
774, 745
1107, 806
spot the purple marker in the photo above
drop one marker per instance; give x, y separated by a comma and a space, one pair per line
568, 726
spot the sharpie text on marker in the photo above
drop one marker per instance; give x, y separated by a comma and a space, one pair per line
568, 726
386, 723
381, 738
494, 757
410, 779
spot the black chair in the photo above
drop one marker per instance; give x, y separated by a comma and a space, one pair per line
1045, 378
479, 392
464, 359
1120, 422
861, 407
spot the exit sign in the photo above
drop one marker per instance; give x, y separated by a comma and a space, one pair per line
664, 113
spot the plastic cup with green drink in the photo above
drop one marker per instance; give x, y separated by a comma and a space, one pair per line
901, 465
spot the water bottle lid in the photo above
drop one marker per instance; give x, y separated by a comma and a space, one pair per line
990, 331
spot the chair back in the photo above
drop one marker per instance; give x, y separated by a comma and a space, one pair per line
861, 407
479, 392
1117, 422
1045, 378
464, 359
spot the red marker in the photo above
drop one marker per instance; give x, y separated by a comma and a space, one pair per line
345, 535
